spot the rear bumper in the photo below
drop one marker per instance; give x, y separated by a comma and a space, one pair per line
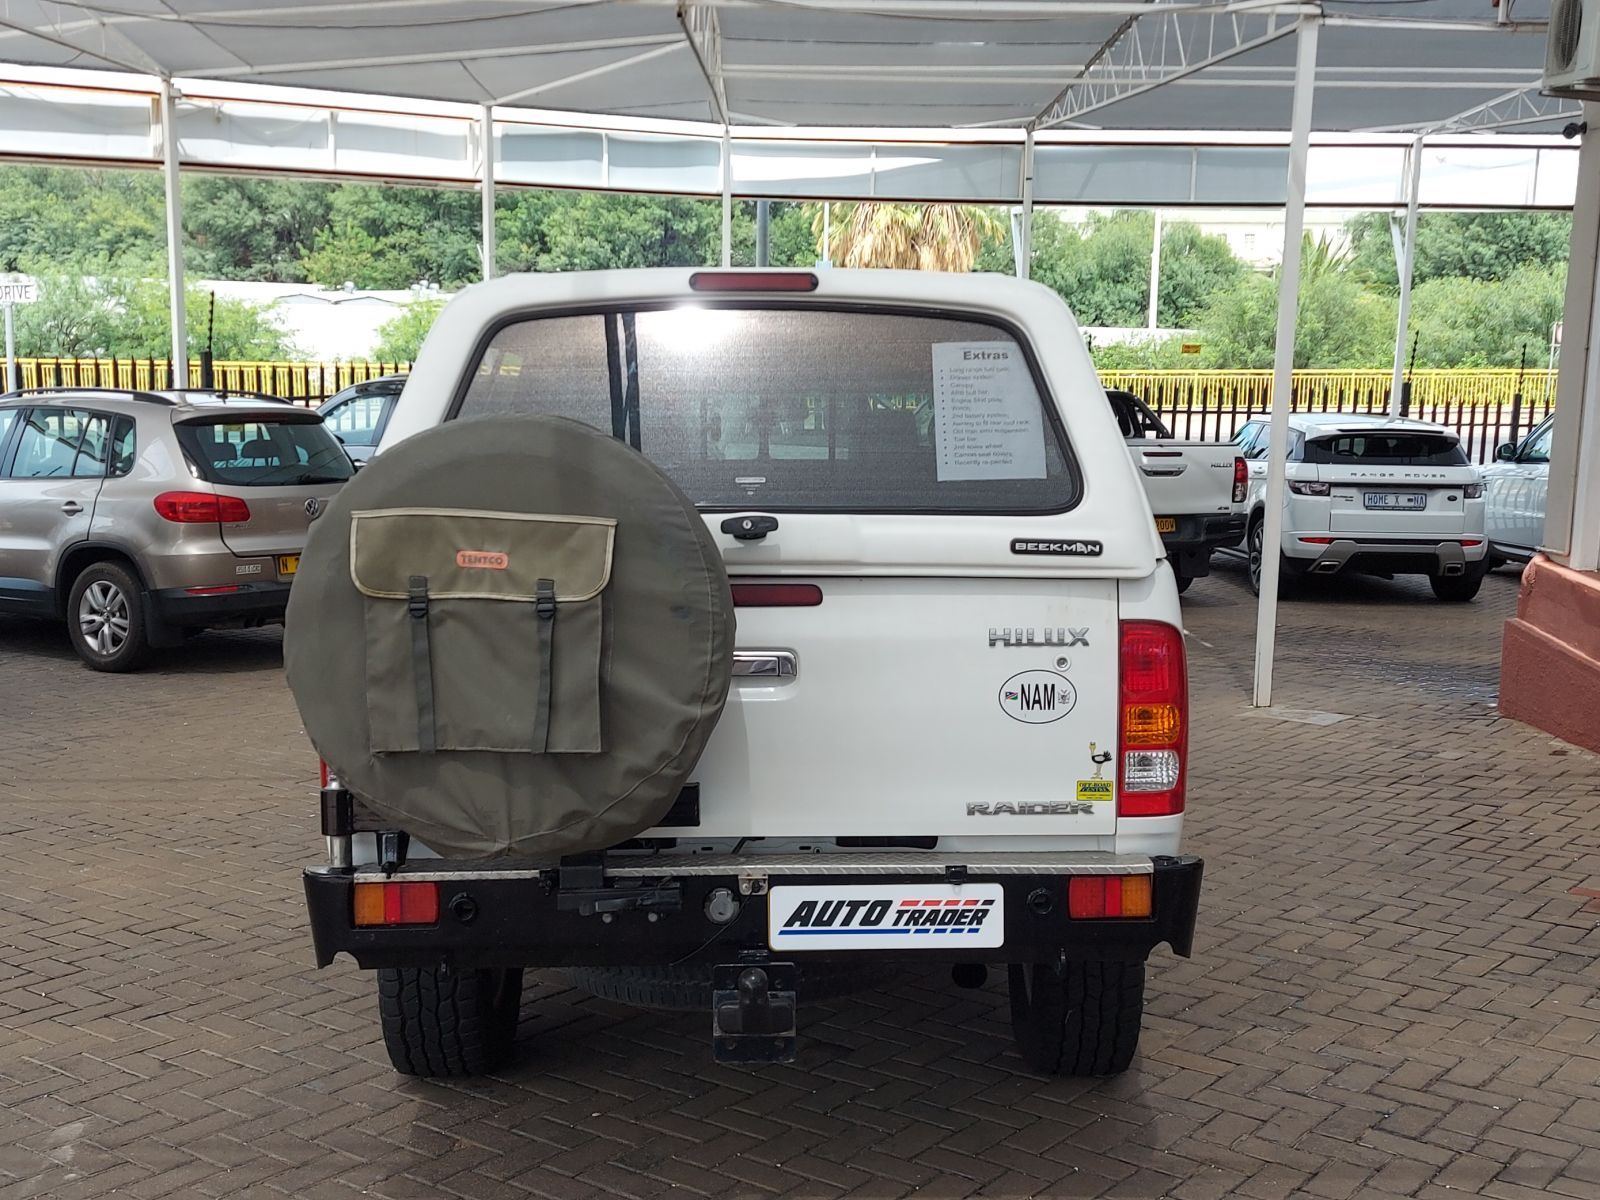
1391, 555
643, 915
252, 603
1190, 545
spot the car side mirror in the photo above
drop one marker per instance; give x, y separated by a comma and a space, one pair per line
1506, 452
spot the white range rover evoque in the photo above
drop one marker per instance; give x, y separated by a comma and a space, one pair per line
1371, 494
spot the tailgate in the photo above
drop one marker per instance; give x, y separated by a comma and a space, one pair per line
1185, 480
1424, 502
921, 707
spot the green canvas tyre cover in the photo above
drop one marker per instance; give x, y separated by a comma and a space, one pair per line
511, 636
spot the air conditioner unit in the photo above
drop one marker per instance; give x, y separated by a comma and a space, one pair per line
1572, 53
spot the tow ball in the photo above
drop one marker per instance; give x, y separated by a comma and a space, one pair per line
753, 1013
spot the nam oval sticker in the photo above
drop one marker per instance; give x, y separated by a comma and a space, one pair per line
1037, 697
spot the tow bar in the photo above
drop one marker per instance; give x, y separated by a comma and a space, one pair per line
753, 1013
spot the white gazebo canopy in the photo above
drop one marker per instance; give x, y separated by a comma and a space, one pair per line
1021, 72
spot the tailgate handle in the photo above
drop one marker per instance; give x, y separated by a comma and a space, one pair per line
1157, 471
764, 664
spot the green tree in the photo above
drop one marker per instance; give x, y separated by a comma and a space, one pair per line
51, 217
241, 228
391, 237
1102, 268
111, 315
1472, 323
400, 337
1340, 324
1487, 245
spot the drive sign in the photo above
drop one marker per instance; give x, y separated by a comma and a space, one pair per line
18, 291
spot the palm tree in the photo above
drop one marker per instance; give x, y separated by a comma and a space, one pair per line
919, 237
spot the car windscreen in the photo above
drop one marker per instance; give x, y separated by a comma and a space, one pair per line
1387, 449
260, 451
797, 408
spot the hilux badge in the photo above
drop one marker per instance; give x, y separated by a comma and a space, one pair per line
1020, 636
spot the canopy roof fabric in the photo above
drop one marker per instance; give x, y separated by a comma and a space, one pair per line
1225, 64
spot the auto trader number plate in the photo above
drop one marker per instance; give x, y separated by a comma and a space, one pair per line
1166, 524
886, 916
1396, 499
288, 564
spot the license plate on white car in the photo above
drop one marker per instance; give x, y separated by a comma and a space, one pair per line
886, 916
1406, 500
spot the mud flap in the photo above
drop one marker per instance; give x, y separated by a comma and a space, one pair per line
753, 1013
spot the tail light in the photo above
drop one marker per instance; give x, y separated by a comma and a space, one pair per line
1241, 479
1091, 897
1153, 740
201, 508
325, 776
396, 904
1300, 488
753, 281
1473, 491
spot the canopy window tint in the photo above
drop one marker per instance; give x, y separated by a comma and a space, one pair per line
797, 408
1387, 449
261, 453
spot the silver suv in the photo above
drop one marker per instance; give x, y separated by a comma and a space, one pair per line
139, 517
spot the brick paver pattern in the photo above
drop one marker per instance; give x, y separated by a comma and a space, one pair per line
1394, 988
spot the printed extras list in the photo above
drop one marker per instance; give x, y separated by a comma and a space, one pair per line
987, 423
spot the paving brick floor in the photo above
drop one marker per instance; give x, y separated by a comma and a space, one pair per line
1394, 988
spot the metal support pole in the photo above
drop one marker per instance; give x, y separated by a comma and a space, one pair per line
1572, 507
727, 199
1025, 226
763, 232
1407, 267
486, 137
11, 351
1155, 274
1294, 219
178, 369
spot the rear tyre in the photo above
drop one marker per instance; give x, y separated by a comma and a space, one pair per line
1077, 1018
1458, 589
444, 1024
106, 618
687, 986
1290, 570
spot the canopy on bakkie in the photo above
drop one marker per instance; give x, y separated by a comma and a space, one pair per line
511, 635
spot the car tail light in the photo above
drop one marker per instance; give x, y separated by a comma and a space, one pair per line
1472, 541
1241, 479
225, 589
396, 904
325, 776
1153, 737
1300, 488
1317, 541
776, 595
1090, 897
1473, 491
201, 508
753, 281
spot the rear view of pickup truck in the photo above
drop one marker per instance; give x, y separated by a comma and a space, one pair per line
727, 637
1196, 489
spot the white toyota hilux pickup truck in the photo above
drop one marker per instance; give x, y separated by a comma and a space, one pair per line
956, 723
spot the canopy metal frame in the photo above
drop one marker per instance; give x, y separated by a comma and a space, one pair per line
1155, 44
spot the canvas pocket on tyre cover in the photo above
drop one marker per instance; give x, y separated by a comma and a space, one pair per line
484, 630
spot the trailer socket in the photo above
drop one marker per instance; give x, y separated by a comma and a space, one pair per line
463, 908
1041, 902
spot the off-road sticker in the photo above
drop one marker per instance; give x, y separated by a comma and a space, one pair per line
1095, 790
1037, 697
886, 916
